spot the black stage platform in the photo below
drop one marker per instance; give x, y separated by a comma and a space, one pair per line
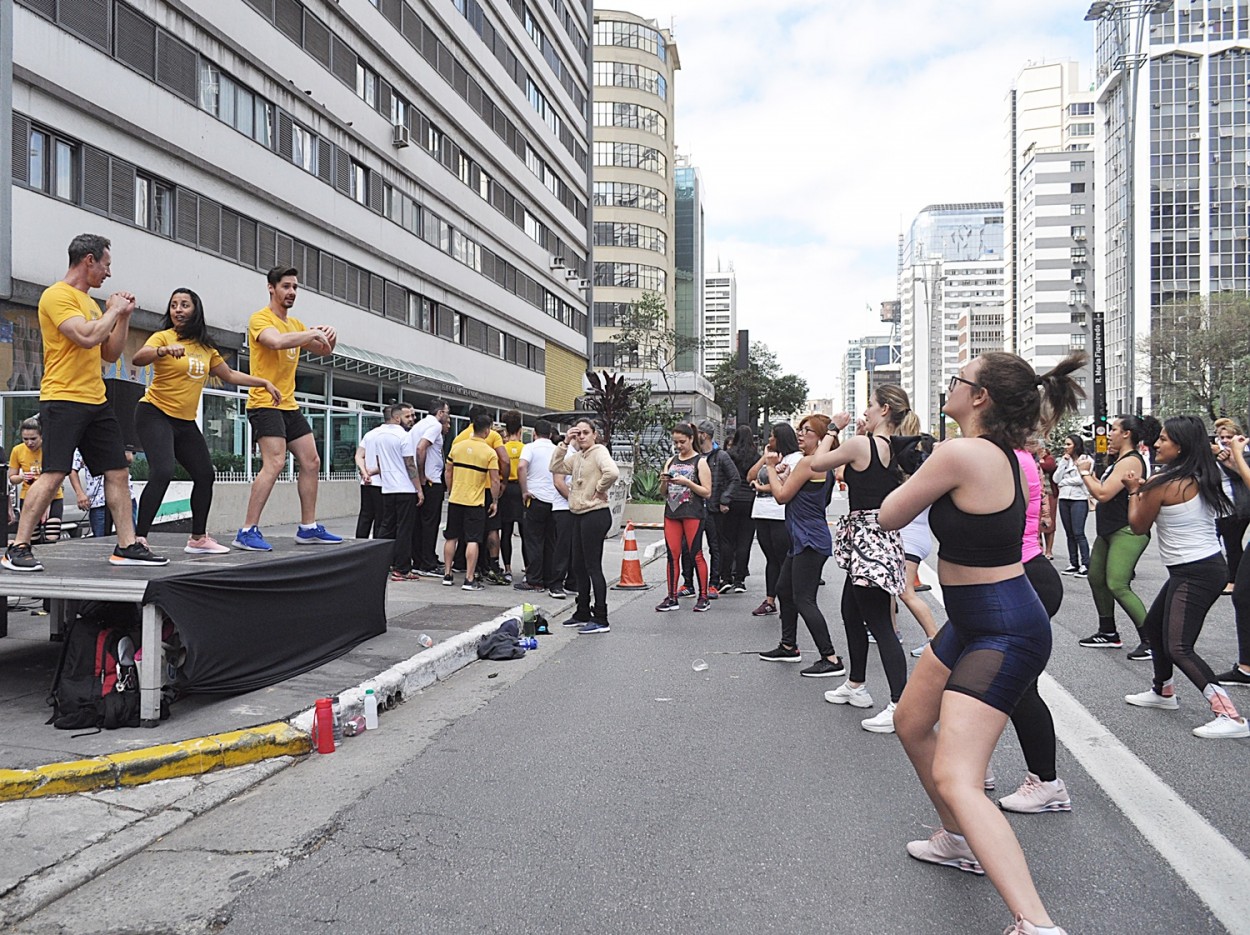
247, 619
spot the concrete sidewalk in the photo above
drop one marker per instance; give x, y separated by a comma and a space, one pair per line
207, 732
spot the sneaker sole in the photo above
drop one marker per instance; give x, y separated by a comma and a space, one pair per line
1232, 735
114, 560
840, 673
190, 551
1149, 704
1227, 684
251, 548
10, 567
961, 864
782, 658
1065, 806
1133, 658
1100, 645
852, 703
574, 623
595, 632
877, 729
299, 541
665, 610
701, 610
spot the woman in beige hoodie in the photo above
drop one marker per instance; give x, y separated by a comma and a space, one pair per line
593, 472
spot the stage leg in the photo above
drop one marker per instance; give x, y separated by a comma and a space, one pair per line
58, 620
150, 668
4, 616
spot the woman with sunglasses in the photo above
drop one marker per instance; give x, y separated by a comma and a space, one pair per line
1183, 501
997, 639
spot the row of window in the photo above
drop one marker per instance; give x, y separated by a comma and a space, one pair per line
629, 75
44, 160
631, 36
631, 276
316, 38
614, 234
610, 314
629, 195
630, 116
551, 55
631, 156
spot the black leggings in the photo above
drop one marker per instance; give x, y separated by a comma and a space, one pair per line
1034, 724
775, 543
737, 531
589, 530
864, 611
797, 585
1241, 610
1176, 617
166, 440
1232, 530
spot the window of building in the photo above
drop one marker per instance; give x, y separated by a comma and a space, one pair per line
1078, 188
366, 84
303, 149
360, 183
1078, 209
1082, 109
1081, 129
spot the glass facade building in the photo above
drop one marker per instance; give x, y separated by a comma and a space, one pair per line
688, 266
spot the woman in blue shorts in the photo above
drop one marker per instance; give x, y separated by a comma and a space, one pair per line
997, 639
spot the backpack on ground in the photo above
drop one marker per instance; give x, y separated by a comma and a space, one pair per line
97, 679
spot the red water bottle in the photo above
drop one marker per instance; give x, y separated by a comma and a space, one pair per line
323, 726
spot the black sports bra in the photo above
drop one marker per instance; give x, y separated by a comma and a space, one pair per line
981, 540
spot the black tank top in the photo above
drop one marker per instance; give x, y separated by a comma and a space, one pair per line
867, 489
1113, 514
988, 540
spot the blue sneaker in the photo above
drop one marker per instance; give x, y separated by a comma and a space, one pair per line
250, 540
318, 535
595, 627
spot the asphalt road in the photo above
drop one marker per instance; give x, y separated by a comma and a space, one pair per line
615, 789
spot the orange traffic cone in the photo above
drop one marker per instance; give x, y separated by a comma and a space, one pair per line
631, 567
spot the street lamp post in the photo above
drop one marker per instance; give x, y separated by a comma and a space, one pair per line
1129, 15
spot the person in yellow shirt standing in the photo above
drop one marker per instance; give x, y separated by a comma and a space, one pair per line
73, 409
472, 469
274, 338
490, 531
182, 356
511, 505
25, 466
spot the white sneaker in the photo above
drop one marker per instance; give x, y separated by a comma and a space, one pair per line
990, 781
919, 650
882, 722
1223, 726
1152, 699
846, 693
1035, 796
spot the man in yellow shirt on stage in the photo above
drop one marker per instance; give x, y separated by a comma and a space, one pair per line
73, 409
274, 338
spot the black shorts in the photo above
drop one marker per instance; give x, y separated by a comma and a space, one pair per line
511, 505
91, 428
493, 523
289, 424
466, 523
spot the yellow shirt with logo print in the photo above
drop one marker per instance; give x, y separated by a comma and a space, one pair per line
278, 367
178, 382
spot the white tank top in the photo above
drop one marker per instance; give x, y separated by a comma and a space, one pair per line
1186, 532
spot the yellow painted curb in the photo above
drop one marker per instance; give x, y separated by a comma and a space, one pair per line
164, 761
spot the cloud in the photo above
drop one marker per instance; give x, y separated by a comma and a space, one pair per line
821, 129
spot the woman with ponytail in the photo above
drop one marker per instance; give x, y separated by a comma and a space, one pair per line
997, 639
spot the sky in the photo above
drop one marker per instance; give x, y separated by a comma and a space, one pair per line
822, 128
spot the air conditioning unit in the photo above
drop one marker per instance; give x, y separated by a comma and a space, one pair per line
583, 284
1079, 280
557, 262
401, 136
570, 274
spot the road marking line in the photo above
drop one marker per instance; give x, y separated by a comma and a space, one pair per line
1196, 850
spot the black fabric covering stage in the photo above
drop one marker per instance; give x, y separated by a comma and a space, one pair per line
252, 625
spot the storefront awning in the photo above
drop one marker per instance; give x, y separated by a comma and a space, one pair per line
371, 363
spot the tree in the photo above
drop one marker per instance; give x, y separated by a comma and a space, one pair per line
646, 341
1198, 356
768, 390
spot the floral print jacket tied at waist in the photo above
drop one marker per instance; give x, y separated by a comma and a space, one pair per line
871, 556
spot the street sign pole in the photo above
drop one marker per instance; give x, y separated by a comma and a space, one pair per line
1099, 365
744, 364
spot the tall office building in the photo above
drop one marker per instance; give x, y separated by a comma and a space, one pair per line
424, 166
688, 266
720, 318
1174, 167
868, 363
950, 278
634, 190
1049, 218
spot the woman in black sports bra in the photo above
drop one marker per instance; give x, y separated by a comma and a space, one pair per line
997, 638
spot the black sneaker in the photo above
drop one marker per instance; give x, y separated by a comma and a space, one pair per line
1234, 676
702, 605
822, 668
1143, 654
1082, 572
472, 584
448, 581
574, 622
1102, 641
782, 653
1070, 570
20, 558
740, 588
669, 603
136, 554
686, 591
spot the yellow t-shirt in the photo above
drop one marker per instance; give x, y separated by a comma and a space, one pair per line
493, 438
24, 460
514, 457
472, 460
178, 382
70, 372
278, 367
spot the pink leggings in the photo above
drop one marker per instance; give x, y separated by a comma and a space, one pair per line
681, 535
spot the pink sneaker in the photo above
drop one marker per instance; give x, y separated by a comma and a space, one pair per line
945, 849
205, 545
1023, 926
1035, 796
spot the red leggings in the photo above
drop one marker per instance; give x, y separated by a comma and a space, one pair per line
682, 535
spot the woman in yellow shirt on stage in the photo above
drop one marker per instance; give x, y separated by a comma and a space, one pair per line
182, 356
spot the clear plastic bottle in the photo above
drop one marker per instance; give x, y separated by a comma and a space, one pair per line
371, 709
337, 707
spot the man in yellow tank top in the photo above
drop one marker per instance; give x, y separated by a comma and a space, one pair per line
274, 339
73, 410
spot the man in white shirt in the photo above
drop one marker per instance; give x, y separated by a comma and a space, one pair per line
400, 495
370, 517
426, 445
545, 508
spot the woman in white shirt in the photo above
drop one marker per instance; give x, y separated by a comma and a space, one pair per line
770, 516
1073, 505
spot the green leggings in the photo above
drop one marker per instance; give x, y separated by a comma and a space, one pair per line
1111, 565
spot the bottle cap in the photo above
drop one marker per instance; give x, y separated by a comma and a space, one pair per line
368, 691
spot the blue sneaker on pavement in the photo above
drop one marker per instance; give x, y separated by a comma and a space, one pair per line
318, 535
595, 627
250, 540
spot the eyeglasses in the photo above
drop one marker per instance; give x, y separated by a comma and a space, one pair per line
957, 380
